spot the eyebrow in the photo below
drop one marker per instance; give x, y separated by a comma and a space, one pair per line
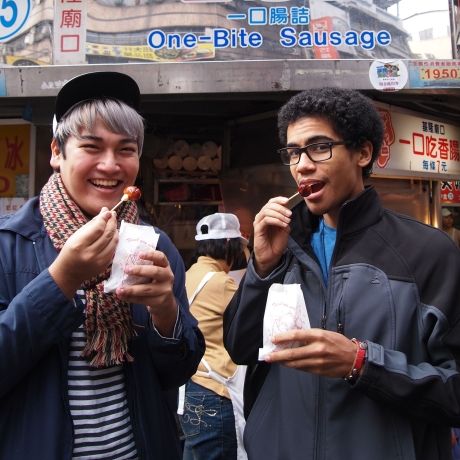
90, 137
312, 140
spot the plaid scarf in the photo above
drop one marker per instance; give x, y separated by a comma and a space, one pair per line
108, 322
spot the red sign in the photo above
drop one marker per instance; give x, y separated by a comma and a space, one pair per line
322, 27
450, 192
388, 138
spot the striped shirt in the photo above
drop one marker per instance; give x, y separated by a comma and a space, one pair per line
98, 406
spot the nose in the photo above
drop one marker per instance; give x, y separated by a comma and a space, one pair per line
108, 160
305, 163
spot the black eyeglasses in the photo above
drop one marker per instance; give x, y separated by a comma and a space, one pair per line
319, 151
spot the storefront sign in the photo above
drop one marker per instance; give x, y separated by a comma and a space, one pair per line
13, 18
434, 74
416, 146
69, 31
133, 31
450, 192
145, 53
14, 159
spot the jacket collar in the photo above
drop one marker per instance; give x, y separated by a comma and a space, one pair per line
27, 221
355, 215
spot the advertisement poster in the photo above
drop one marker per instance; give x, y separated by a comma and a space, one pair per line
15, 140
450, 192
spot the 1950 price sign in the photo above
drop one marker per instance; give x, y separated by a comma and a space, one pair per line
440, 73
13, 17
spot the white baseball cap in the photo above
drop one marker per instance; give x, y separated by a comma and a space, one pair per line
446, 212
218, 226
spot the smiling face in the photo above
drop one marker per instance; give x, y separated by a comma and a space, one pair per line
97, 166
333, 181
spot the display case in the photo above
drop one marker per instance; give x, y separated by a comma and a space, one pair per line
187, 191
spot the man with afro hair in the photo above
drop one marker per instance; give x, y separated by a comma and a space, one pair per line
376, 376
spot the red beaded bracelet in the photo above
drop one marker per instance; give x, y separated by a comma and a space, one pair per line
361, 352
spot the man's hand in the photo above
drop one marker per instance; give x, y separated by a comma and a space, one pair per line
271, 232
157, 294
88, 252
325, 353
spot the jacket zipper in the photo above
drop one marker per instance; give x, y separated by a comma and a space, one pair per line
340, 323
319, 414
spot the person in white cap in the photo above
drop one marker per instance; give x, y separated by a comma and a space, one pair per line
86, 374
212, 417
448, 225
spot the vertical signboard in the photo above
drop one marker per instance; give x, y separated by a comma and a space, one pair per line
69, 31
15, 147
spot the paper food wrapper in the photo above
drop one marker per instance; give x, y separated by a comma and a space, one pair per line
133, 239
285, 311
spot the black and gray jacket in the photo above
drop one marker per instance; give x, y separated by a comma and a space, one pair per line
393, 282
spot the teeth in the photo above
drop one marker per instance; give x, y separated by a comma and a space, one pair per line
105, 182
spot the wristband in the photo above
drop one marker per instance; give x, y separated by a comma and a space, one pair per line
360, 358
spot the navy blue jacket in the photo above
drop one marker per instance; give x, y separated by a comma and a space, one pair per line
36, 323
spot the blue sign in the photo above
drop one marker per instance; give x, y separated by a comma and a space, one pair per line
2, 84
13, 16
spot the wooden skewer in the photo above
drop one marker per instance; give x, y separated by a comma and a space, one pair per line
123, 199
294, 200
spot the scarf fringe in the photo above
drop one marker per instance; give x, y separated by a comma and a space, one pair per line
107, 348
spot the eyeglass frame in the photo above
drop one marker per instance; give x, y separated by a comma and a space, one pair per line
304, 149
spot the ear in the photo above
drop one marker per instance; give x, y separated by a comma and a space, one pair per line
55, 160
365, 154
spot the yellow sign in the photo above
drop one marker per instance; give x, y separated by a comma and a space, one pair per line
23, 61
14, 159
201, 51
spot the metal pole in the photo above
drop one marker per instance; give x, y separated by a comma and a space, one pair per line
453, 29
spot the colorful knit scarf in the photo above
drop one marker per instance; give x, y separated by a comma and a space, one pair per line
108, 323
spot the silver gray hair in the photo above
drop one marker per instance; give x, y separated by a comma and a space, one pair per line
117, 117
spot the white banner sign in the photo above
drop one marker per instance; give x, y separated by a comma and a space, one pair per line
69, 31
417, 146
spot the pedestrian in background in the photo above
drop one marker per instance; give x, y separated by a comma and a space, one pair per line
448, 225
212, 417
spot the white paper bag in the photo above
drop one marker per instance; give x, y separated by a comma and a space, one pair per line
285, 310
133, 239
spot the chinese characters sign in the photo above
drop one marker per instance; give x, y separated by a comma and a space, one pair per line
69, 31
439, 74
128, 31
416, 146
14, 159
450, 192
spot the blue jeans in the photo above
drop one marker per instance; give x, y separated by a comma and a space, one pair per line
208, 424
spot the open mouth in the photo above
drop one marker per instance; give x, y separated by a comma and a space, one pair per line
309, 187
105, 183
